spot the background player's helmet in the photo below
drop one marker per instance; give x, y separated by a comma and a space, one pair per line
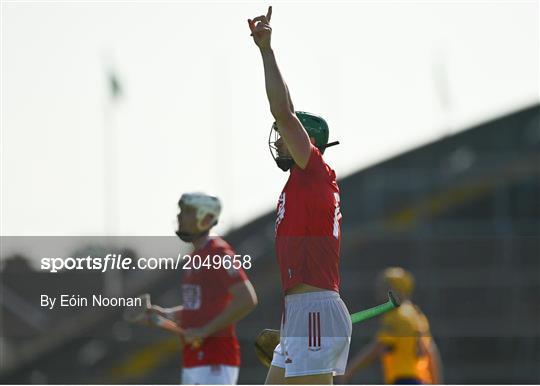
315, 126
400, 280
204, 205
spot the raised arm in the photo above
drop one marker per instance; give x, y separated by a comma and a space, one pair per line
281, 107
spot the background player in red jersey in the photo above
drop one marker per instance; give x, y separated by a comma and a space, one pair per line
213, 299
316, 327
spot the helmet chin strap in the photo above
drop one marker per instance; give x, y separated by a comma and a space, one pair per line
284, 163
190, 237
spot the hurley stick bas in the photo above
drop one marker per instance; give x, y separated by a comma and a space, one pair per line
360, 316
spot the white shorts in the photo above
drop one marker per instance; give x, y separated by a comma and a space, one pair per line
210, 375
315, 335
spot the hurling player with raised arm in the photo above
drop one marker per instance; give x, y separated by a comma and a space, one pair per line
316, 326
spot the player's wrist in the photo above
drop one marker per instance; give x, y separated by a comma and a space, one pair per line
266, 51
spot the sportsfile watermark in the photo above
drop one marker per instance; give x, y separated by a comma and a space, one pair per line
101, 254
112, 261
45, 280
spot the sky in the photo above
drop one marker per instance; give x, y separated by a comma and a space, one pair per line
193, 114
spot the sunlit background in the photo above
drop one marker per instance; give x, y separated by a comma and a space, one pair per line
190, 112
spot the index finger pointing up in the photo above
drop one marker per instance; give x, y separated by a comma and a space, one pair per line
269, 14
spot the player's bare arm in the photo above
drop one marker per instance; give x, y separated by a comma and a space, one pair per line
281, 107
291, 106
435, 363
244, 300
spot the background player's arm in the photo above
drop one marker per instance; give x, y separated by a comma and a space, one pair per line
435, 364
166, 319
363, 359
290, 128
244, 300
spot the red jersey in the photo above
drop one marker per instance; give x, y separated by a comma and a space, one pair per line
205, 294
308, 226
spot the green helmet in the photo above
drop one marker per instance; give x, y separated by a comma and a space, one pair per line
316, 127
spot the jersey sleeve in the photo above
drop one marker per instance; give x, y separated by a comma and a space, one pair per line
231, 276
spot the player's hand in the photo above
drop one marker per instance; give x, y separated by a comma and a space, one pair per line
151, 315
195, 336
261, 30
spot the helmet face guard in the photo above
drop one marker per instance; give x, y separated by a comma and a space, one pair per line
284, 163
